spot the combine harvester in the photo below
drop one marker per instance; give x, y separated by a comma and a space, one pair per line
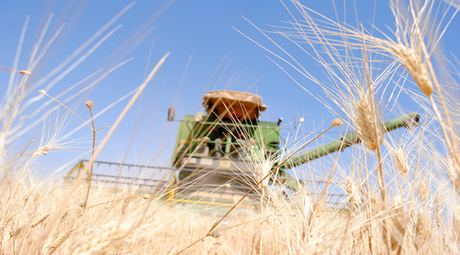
218, 153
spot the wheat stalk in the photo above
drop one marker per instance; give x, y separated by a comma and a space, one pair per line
23, 72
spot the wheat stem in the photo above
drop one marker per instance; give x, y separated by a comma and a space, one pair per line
452, 154
90, 104
24, 72
57, 101
145, 196
379, 141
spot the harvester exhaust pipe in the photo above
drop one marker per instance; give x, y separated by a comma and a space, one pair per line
171, 113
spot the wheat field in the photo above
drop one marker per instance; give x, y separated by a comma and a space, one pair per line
401, 189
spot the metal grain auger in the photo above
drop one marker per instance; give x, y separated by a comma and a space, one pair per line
222, 146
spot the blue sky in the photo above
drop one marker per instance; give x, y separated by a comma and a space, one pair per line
200, 31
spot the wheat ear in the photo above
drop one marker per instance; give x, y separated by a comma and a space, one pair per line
103, 243
371, 136
412, 61
352, 192
59, 241
400, 162
43, 218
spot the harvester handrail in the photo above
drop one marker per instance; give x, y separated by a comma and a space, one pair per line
129, 165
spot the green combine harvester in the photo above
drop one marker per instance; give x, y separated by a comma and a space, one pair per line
226, 144
221, 150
